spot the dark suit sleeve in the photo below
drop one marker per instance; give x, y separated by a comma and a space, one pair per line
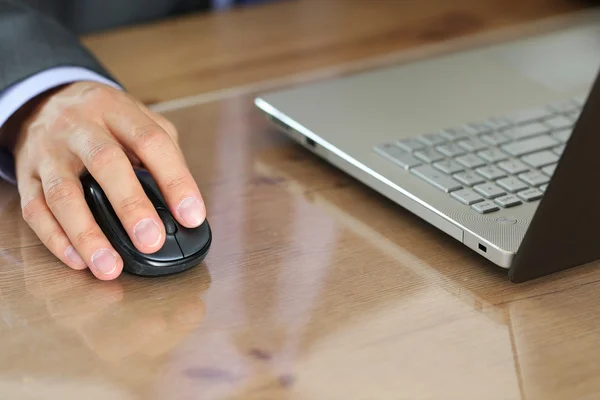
31, 42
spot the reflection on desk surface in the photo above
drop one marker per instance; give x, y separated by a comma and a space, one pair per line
61, 332
315, 287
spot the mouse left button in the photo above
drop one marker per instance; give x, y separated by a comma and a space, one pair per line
169, 252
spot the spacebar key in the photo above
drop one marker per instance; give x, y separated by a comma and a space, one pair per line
437, 178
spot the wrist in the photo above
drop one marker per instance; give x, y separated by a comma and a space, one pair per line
11, 129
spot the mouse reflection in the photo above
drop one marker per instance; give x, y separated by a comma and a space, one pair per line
62, 327
128, 316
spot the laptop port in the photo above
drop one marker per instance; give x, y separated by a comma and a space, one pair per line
311, 143
482, 248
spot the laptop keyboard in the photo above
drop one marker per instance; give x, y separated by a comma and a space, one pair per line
499, 163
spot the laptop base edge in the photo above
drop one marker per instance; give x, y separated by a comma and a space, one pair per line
501, 258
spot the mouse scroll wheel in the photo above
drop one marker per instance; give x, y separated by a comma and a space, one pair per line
165, 216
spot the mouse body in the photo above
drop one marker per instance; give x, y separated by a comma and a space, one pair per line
183, 249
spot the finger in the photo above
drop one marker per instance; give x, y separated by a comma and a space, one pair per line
41, 220
167, 126
108, 164
64, 197
161, 156
161, 121
133, 158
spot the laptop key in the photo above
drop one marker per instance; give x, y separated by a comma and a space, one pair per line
429, 155
485, 207
530, 194
512, 184
469, 178
397, 155
513, 167
492, 155
489, 190
455, 134
544, 187
450, 150
436, 178
559, 149
491, 172
467, 196
532, 145
449, 166
526, 131
471, 161
478, 128
472, 144
411, 144
495, 138
549, 170
559, 122
432, 139
510, 200
526, 116
540, 159
564, 106
563, 135
499, 123
534, 178
574, 116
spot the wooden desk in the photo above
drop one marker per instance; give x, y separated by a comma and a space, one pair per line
205, 53
315, 288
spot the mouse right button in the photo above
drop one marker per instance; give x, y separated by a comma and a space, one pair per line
192, 241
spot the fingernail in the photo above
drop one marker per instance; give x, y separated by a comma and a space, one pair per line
74, 256
147, 232
104, 261
191, 210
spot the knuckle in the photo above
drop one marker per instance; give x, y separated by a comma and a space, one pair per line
101, 155
60, 192
65, 119
33, 209
167, 125
54, 239
131, 204
149, 137
85, 238
98, 92
177, 184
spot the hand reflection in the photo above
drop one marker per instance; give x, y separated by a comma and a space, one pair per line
117, 319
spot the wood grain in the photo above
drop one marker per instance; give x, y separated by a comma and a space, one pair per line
315, 287
202, 53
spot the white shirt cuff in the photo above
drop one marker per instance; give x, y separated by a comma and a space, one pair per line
20, 93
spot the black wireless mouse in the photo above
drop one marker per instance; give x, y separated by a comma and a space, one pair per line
184, 248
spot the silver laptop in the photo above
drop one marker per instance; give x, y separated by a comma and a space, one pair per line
473, 142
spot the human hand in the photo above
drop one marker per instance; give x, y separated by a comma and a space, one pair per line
93, 126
